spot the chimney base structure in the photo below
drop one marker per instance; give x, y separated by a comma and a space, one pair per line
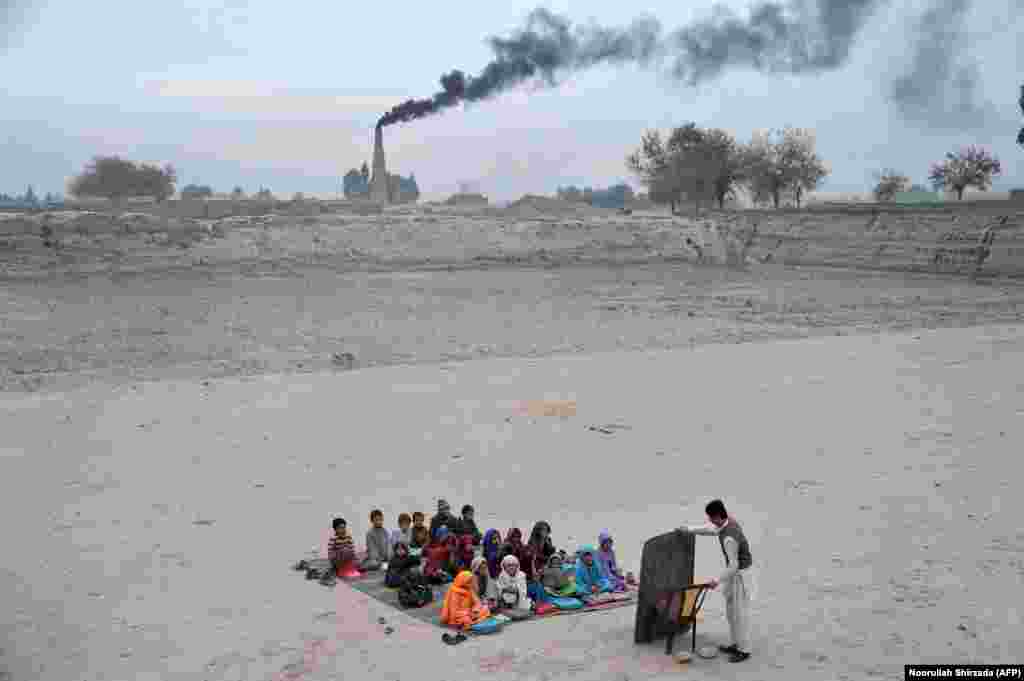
379, 192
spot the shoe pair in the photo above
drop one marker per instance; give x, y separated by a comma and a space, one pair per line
735, 654
453, 640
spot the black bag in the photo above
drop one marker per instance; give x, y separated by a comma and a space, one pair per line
414, 593
666, 568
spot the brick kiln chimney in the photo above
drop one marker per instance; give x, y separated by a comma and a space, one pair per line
379, 179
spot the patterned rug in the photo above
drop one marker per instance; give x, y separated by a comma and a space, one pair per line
372, 584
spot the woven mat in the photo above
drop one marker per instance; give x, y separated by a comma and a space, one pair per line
372, 584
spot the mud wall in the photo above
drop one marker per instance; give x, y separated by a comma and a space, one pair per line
947, 239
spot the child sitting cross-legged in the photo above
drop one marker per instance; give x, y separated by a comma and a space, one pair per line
341, 551
590, 577
401, 566
462, 606
437, 558
513, 597
378, 543
487, 586
420, 532
404, 532
467, 525
606, 557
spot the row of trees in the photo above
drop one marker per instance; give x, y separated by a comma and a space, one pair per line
616, 196
114, 178
356, 184
29, 198
697, 164
969, 167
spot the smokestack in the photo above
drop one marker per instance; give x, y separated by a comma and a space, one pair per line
379, 178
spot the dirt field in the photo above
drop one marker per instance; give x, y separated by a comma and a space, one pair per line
186, 405
218, 322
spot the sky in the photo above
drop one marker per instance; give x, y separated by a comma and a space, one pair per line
286, 96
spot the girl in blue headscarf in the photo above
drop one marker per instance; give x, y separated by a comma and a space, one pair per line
590, 577
492, 552
606, 557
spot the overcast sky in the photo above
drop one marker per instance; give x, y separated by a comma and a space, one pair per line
285, 96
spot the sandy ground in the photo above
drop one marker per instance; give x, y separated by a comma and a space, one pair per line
151, 526
64, 332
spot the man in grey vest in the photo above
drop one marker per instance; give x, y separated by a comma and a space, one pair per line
735, 580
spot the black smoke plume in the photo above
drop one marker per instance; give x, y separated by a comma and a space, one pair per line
939, 85
798, 37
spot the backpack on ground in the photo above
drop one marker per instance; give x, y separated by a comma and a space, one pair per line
414, 594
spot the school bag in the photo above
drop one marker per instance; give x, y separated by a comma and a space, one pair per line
414, 594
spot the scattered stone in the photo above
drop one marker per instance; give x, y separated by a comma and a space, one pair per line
456, 456
381, 620
203, 522
389, 630
258, 485
609, 428
343, 359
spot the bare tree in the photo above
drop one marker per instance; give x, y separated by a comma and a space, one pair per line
767, 172
114, 178
888, 183
783, 161
651, 164
196, 191
970, 167
804, 168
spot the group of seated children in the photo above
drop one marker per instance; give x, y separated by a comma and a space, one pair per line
489, 574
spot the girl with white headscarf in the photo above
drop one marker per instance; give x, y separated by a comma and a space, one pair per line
513, 597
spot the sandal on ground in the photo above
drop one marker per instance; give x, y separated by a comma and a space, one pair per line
739, 656
731, 648
453, 640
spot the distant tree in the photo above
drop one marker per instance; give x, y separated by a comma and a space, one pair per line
30, 196
694, 163
355, 184
409, 188
807, 169
657, 169
616, 196
768, 173
570, 193
114, 178
1020, 135
783, 161
196, 191
888, 183
237, 193
264, 194
970, 167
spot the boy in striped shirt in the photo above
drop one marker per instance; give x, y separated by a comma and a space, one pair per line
341, 550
